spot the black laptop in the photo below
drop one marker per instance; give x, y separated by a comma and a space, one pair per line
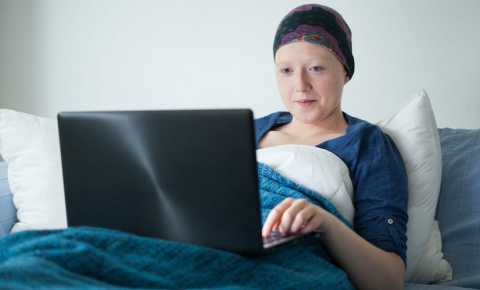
183, 175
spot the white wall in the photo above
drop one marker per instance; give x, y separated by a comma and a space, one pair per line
117, 54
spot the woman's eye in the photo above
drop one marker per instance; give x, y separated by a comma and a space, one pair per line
285, 70
317, 68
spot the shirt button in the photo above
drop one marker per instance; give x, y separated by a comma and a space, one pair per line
390, 221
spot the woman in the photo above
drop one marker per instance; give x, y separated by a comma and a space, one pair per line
313, 59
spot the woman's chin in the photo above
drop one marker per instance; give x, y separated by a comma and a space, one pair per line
307, 117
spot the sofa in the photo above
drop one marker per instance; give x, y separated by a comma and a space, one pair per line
458, 209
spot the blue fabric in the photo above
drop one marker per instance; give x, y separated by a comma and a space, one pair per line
458, 210
378, 175
8, 214
93, 258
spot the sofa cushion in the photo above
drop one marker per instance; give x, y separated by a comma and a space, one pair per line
458, 210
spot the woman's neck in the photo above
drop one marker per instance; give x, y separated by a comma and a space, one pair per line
334, 123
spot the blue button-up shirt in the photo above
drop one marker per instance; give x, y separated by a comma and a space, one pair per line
378, 176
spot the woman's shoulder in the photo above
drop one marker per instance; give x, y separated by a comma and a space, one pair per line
372, 141
363, 129
268, 117
368, 140
267, 121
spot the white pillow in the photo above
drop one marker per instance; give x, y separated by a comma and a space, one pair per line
431, 265
30, 146
315, 168
414, 131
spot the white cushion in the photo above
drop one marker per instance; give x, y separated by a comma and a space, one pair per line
317, 169
30, 146
431, 266
414, 131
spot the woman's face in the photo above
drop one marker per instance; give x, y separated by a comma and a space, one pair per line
307, 71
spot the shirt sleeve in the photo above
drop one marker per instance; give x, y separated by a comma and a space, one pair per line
381, 193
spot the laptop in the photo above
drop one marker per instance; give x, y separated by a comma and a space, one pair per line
182, 175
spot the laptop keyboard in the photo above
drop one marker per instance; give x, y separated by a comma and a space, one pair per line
276, 238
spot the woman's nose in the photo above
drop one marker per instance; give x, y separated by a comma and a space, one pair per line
302, 83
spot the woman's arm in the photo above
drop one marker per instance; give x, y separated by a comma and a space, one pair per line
367, 266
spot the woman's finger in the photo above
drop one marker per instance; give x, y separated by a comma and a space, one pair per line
290, 215
302, 218
274, 217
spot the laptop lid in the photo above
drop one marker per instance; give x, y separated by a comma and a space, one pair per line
184, 175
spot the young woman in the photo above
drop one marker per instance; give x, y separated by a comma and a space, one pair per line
313, 59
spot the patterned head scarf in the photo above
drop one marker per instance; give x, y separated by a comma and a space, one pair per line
320, 25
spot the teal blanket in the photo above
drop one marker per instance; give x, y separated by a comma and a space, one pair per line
94, 258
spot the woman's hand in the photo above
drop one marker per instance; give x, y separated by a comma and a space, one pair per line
296, 216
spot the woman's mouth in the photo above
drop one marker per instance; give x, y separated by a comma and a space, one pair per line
305, 103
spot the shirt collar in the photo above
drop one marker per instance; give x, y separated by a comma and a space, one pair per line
285, 117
